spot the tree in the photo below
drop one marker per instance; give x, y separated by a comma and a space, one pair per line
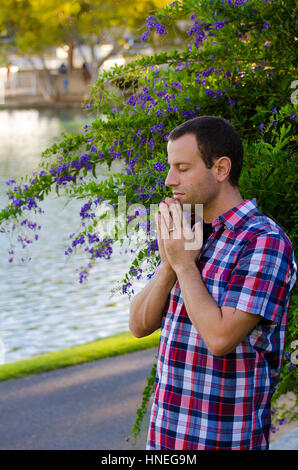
35, 26
238, 62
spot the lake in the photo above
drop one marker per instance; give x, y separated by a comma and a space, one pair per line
43, 307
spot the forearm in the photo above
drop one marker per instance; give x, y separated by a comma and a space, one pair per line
203, 311
147, 306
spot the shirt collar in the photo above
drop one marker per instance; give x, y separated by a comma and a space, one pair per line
234, 218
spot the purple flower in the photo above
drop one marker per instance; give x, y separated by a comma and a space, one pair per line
10, 182
125, 287
232, 102
292, 116
152, 143
282, 421
262, 126
266, 25
145, 36
158, 166
153, 23
267, 43
79, 241
188, 114
157, 128
31, 203
207, 72
17, 202
85, 209
218, 25
83, 275
177, 85
274, 111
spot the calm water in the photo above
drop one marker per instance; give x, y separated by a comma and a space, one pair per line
43, 307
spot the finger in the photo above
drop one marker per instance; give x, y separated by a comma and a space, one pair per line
176, 213
180, 221
197, 241
169, 200
165, 221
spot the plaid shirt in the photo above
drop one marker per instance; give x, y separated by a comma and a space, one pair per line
202, 401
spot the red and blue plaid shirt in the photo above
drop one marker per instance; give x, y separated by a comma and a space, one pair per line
202, 401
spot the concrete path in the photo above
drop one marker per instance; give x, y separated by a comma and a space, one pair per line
288, 441
90, 406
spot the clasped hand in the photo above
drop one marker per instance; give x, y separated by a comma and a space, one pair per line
178, 243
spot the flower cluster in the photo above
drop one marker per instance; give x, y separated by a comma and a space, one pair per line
153, 23
288, 357
102, 249
158, 166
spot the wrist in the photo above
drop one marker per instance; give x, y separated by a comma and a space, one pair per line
167, 271
185, 268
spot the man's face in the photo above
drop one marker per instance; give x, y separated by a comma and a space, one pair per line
190, 180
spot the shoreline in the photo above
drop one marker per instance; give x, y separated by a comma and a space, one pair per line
41, 104
119, 344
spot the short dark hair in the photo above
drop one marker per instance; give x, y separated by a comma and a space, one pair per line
216, 138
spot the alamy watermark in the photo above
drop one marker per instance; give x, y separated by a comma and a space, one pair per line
128, 220
294, 95
2, 91
294, 354
2, 351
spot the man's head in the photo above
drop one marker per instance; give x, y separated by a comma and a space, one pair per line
205, 156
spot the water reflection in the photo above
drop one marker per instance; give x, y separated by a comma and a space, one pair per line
43, 307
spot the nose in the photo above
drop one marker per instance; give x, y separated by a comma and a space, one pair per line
171, 179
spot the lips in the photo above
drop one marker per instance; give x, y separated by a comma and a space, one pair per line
178, 194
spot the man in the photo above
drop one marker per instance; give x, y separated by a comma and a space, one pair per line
222, 307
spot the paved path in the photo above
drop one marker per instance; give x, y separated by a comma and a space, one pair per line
288, 441
90, 406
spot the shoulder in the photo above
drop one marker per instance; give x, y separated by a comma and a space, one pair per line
260, 227
268, 243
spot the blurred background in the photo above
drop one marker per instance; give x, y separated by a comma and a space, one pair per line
51, 53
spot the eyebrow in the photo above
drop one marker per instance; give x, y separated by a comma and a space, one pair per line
180, 163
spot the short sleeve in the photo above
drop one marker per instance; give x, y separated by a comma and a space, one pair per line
262, 279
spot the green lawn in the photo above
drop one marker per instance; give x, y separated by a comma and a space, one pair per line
122, 343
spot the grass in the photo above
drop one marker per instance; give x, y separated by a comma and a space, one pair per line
122, 343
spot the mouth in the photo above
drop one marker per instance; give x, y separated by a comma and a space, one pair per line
177, 195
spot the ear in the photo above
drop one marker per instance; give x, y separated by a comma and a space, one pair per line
222, 168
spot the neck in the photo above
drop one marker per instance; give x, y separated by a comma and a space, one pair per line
224, 201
